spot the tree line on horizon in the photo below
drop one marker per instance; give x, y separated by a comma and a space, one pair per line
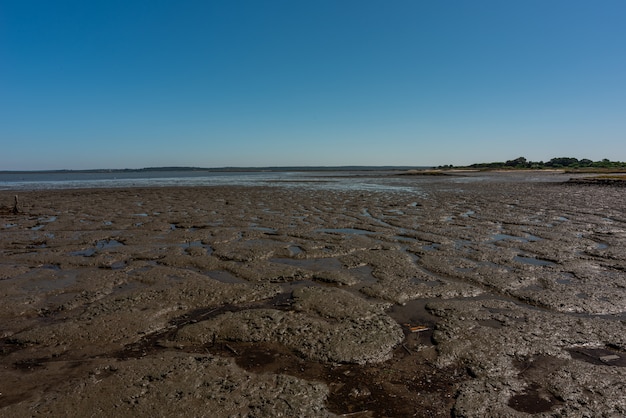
559, 162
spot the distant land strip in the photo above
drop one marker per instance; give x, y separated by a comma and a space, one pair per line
565, 163
224, 169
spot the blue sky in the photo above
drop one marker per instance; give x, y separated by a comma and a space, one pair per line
131, 84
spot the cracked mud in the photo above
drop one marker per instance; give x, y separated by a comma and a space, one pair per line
487, 295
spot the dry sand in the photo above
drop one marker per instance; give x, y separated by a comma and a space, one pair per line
278, 301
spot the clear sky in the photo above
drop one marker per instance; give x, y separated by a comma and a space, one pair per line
131, 84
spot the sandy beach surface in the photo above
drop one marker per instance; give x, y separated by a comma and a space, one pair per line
503, 296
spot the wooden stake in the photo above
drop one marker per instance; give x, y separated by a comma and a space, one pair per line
16, 210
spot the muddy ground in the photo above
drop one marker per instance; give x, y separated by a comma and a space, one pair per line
503, 296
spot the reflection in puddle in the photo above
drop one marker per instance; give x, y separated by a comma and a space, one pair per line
534, 400
84, 253
414, 312
106, 244
599, 356
118, 265
295, 250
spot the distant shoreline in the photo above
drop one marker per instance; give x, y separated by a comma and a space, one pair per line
224, 169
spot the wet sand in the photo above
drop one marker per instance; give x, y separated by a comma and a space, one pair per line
473, 298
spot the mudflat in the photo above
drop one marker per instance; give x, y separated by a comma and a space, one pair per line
497, 297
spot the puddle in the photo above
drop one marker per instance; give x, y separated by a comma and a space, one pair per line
37, 227
118, 265
599, 356
533, 261
404, 238
54, 267
353, 390
295, 250
269, 231
462, 244
431, 247
468, 214
89, 252
414, 313
107, 244
534, 400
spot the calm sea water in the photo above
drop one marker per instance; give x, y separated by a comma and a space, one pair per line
354, 180
373, 180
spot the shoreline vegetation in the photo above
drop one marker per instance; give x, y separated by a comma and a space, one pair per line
603, 172
568, 164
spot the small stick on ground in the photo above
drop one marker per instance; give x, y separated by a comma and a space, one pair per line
407, 350
231, 349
